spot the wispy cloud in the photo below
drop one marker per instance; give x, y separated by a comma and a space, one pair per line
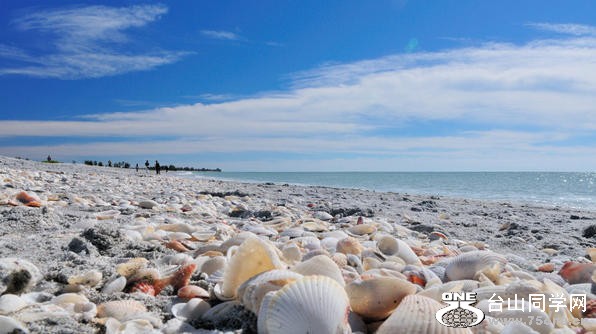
520, 105
86, 42
220, 34
566, 28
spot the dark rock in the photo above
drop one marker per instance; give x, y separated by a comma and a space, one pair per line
224, 194
589, 231
415, 209
574, 217
76, 245
240, 213
103, 238
346, 212
422, 228
263, 214
18, 281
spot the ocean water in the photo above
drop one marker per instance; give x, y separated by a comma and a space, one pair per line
577, 190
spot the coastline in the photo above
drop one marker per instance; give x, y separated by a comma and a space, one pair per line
76, 199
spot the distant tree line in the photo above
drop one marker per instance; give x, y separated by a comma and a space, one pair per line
124, 164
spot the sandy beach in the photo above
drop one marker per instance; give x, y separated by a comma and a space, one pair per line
78, 225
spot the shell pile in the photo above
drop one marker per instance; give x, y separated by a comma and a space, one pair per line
183, 260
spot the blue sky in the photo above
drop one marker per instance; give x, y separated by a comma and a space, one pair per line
302, 85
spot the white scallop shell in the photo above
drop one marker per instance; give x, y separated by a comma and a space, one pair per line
10, 325
114, 284
121, 309
11, 303
320, 265
376, 298
313, 304
466, 265
252, 292
416, 315
252, 257
191, 310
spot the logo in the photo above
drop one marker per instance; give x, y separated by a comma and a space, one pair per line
459, 313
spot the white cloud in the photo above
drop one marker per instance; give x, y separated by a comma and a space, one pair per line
85, 42
566, 28
220, 34
528, 103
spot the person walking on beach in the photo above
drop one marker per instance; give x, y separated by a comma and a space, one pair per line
156, 167
137, 168
147, 164
166, 168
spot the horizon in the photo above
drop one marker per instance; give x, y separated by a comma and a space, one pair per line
390, 86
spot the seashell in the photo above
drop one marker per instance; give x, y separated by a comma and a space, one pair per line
144, 287
178, 236
121, 310
203, 236
253, 256
131, 267
213, 264
114, 326
90, 278
416, 315
86, 311
28, 200
69, 298
329, 244
291, 253
36, 297
376, 298
574, 272
591, 252
322, 215
17, 275
177, 246
340, 259
107, 215
315, 226
191, 310
547, 267
466, 265
320, 265
147, 204
517, 327
37, 312
549, 251
370, 263
406, 253
193, 291
10, 325
313, 304
387, 245
175, 326
11, 303
362, 229
349, 245
113, 285
252, 292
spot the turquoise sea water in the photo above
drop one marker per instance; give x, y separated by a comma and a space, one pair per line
576, 190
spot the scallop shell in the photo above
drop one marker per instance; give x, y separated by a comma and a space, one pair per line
376, 298
252, 292
320, 265
349, 245
90, 278
193, 309
114, 284
416, 315
253, 256
466, 265
313, 304
121, 310
17, 275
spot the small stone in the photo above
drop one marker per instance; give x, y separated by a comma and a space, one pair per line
589, 231
322, 215
148, 204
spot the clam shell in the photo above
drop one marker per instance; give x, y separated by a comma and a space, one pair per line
11, 303
213, 264
466, 265
416, 315
252, 292
113, 285
320, 265
362, 229
10, 325
313, 304
349, 245
376, 298
193, 291
387, 245
191, 310
252, 257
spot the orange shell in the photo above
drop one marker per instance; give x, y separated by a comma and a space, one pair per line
181, 278
144, 287
547, 268
575, 272
28, 200
177, 246
193, 291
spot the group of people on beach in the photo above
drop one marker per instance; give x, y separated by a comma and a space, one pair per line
157, 167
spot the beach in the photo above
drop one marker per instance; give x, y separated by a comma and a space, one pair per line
86, 220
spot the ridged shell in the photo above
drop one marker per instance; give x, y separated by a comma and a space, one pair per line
121, 309
376, 298
254, 256
313, 304
114, 284
193, 309
416, 315
349, 245
320, 265
252, 292
466, 265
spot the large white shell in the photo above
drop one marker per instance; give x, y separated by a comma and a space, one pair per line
376, 298
10, 325
406, 253
193, 309
252, 292
313, 304
252, 257
320, 265
114, 284
416, 315
466, 265
387, 245
10, 303
121, 309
